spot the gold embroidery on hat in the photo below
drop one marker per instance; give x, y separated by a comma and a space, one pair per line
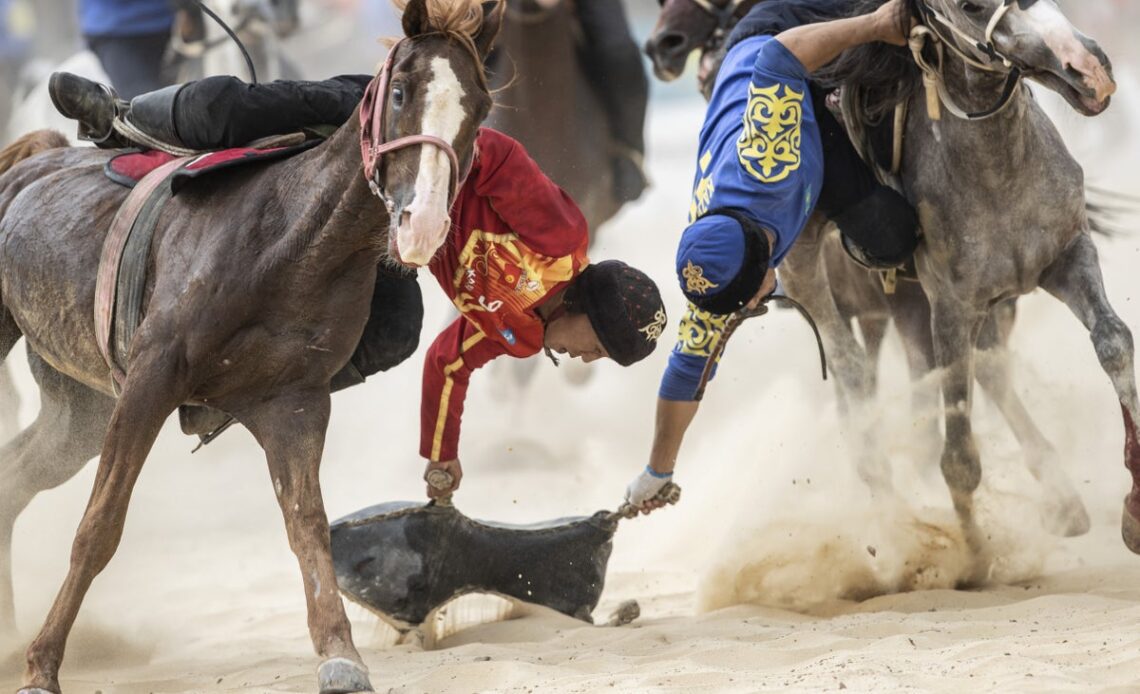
695, 280
653, 330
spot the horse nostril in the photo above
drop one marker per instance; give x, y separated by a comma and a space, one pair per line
670, 43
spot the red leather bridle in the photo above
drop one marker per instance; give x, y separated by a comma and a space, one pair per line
373, 147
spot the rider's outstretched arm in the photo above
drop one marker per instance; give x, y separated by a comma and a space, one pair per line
816, 45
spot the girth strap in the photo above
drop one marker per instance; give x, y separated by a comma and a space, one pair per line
122, 266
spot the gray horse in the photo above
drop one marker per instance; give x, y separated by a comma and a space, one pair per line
1000, 199
857, 296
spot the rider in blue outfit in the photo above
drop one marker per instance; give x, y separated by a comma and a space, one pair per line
760, 175
767, 165
130, 38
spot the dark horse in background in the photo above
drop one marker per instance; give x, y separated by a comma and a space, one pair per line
260, 285
544, 100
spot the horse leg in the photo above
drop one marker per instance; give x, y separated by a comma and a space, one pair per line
292, 429
804, 275
955, 328
9, 404
67, 432
873, 328
1076, 280
151, 392
1063, 513
910, 311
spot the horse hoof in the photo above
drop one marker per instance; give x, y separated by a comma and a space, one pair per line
1130, 531
343, 676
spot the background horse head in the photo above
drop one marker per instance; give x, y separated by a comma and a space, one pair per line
544, 101
685, 26
437, 87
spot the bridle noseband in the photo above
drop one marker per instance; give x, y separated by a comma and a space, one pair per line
934, 26
373, 122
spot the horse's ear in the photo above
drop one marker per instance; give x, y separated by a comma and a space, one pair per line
415, 18
492, 22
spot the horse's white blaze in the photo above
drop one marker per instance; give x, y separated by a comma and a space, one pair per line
423, 229
1047, 21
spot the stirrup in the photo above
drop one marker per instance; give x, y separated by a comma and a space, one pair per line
124, 128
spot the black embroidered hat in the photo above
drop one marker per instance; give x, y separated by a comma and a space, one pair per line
624, 308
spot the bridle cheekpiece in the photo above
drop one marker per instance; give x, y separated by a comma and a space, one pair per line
373, 126
934, 26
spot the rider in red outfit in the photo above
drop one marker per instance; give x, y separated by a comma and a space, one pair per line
516, 241
515, 266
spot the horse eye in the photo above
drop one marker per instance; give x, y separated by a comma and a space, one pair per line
970, 8
397, 96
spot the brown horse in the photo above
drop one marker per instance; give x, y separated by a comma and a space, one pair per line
260, 286
548, 105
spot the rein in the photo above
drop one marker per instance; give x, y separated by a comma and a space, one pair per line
932, 75
373, 125
734, 321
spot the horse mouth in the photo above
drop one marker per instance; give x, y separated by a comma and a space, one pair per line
1081, 97
668, 51
394, 254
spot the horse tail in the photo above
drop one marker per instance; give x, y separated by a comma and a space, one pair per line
1109, 212
30, 145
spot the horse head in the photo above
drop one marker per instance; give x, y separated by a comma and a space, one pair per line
1031, 36
685, 26
436, 90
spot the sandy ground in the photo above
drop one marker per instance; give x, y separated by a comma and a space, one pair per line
776, 572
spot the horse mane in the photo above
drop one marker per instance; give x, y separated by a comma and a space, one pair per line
882, 75
463, 17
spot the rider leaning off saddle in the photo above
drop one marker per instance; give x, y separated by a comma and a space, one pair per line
514, 263
760, 174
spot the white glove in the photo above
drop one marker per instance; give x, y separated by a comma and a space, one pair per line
646, 486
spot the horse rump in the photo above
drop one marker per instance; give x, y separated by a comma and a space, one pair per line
30, 145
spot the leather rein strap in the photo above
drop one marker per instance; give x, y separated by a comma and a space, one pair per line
373, 125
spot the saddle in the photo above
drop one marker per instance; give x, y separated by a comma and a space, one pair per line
154, 177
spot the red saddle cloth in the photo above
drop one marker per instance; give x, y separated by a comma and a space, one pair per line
129, 168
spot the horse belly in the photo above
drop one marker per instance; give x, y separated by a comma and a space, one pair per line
51, 239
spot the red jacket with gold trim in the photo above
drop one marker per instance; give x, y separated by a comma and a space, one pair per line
516, 239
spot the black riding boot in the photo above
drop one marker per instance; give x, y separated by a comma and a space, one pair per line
94, 105
148, 119
613, 66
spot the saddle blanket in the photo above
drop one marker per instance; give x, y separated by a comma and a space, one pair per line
128, 168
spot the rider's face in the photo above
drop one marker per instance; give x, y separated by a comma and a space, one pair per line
572, 334
766, 288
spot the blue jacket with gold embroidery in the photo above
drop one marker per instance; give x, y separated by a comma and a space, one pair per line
760, 153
